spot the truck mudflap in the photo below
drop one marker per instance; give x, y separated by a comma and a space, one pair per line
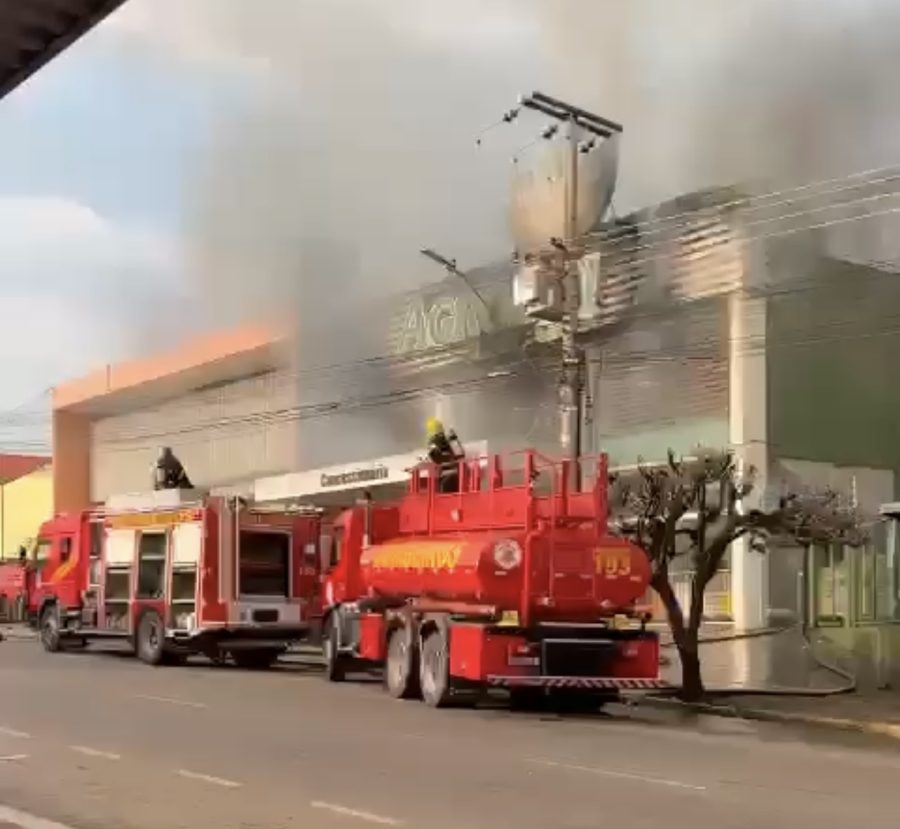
579, 682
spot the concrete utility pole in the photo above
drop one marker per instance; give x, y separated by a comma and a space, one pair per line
571, 388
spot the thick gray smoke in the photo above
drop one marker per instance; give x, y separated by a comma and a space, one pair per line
715, 92
359, 150
359, 147
361, 141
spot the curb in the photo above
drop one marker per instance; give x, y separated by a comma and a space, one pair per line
872, 727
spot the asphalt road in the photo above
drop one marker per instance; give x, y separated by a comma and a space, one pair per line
99, 741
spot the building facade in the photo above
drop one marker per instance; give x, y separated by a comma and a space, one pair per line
26, 500
696, 331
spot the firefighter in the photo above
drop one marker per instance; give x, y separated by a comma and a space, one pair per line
169, 473
446, 451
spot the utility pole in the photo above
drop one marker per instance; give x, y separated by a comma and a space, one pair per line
571, 387
572, 381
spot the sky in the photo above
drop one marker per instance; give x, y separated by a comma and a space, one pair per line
196, 163
104, 164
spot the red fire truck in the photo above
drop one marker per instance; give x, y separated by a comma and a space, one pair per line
512, 581
176, 573
15, 577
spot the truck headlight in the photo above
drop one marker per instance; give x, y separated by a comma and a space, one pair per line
507, 554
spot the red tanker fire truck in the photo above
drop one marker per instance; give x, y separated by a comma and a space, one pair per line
494, 585
175, 573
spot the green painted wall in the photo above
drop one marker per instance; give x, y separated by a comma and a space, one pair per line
652, 444
833, 355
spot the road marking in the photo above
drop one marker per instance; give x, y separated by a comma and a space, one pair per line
171, 701
622, 775
11, 732
96, 752
208, 778
26, 821
347, 812
12, 758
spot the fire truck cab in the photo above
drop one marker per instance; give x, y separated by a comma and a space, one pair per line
177, 572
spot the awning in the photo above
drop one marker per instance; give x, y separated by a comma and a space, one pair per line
32, 32
320, 485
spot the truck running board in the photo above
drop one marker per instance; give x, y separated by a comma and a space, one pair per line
585, 682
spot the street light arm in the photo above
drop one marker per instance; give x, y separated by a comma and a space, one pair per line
450, 266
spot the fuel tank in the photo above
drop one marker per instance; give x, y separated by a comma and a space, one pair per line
569, 576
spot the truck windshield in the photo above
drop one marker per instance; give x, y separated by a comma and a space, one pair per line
41, 554
264, 566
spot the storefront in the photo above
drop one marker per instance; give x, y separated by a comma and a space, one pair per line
467, 357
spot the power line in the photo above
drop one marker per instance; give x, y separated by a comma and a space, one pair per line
755, 345
422, 358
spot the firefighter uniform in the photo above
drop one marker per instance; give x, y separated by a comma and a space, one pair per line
169, 473
445, 451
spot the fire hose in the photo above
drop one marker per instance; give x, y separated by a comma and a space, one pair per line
848, 686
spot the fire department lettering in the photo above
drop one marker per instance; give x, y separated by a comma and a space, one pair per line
418, 557
613, 562
152, 519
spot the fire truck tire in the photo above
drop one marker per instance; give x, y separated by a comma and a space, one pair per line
335, 662
255, 660
527, 699
434, 669
150, 639
562, 702
401, 670
51, 638
4, 609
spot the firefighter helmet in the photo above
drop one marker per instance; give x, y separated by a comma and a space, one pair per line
433, 426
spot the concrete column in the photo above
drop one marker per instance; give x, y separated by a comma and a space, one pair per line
748, 437
71, 461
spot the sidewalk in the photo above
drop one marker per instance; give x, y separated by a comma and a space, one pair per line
783, 662
14, 633
876, 713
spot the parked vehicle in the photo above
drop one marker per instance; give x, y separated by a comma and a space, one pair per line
496, 585
175, 573
15, 577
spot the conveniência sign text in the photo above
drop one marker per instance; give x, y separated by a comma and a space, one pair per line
379, 472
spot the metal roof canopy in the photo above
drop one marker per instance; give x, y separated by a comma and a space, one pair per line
32, 32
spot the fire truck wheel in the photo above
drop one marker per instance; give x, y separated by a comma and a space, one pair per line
50, 636
563, 702
434, 673
527, 699
150, 640
4, 609
335, 663
256, 660
401, 673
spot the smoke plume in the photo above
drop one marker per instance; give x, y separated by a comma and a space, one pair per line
716, 93
358, 148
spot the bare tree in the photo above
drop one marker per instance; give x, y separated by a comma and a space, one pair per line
696, 508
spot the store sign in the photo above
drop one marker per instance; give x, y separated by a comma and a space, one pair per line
364, 475
443, 321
